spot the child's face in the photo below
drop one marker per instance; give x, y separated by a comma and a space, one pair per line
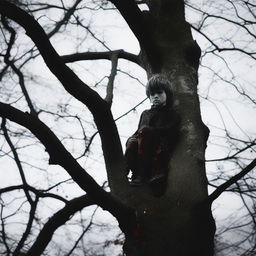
158, 98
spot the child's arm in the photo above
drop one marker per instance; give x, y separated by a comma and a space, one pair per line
142, 125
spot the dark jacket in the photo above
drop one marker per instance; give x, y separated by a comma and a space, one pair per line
161, 121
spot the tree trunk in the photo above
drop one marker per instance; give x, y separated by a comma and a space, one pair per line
178, 223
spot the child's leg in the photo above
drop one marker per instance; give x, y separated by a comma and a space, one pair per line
158, 180
160, 163
147, 142
131, 157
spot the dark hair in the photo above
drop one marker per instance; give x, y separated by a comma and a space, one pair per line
159, 82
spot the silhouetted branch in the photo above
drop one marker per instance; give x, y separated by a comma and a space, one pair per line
28, 227
235, 155
38, 193
83, 233
3, 232
214, 195
222, 49
111, 145
59, 155
111, 78
17, 161
100, 55
65, 19
57, 220
13, 66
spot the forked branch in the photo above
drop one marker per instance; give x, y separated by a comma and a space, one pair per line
57, 220
59, 155
75, 86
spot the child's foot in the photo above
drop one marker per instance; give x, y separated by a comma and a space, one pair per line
136, 182
157, 179
158, 184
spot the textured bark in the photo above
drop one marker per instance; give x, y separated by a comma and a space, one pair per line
179, 223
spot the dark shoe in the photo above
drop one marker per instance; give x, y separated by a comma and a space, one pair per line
158, 184
157, 179
136, 182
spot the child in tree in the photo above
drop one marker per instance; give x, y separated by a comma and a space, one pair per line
148, 149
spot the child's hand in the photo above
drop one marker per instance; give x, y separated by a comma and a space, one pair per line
145, 130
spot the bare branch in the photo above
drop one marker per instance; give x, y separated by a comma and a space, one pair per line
17, 161
28, 227
234, 156
59, 155
57, 220
110, 85
83, 233
100, 55
65, 19
132, 109
103, 118
38, 193
3, 232
13, 66
221, 49
214, 195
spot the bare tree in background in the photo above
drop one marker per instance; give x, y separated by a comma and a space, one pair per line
48, 133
